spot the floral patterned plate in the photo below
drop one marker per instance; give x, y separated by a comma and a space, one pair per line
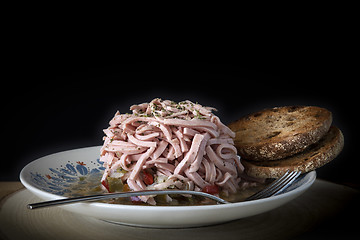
49, 178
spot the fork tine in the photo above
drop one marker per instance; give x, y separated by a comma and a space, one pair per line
274, 183
288, 183
277, 186
282, 185
280, 182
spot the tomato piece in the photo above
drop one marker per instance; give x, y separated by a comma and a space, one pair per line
106, 185
211, 189
148, 178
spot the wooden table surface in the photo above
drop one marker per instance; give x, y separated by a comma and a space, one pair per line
325, 211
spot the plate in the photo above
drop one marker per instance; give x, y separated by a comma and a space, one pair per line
49, 178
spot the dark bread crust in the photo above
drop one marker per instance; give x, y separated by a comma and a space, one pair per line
313, 157
280, 132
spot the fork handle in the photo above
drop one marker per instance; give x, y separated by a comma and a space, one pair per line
122, 194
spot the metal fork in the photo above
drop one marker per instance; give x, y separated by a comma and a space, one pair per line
274, 188
277, 186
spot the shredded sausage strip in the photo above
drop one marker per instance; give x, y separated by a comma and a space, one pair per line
182, 145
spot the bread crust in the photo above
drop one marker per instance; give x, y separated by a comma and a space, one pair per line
313, 157
280, 132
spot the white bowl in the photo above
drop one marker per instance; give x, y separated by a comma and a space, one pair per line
49, 176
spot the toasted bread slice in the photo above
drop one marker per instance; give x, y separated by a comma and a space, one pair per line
313, 157
279, 132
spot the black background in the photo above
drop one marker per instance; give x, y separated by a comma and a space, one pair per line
58, 102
